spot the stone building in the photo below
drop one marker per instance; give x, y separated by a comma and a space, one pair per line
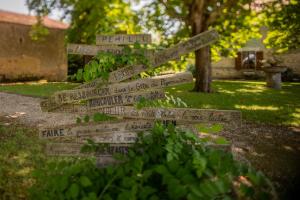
21, 58
247, 63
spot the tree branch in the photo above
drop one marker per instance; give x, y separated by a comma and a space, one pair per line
218, 11
170, 10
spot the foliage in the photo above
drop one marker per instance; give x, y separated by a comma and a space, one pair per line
20, 153
89, 17
234, 20
106, 62
166, 164
283, 21
236, 23
169, 102
38, 32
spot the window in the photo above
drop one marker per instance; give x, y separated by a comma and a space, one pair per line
249, 60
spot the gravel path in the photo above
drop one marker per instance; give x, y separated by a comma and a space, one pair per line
27, 110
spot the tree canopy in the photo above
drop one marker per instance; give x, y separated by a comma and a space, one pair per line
237, 21
90, 17
284, 27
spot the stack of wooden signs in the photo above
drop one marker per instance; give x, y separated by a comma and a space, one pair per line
115, 98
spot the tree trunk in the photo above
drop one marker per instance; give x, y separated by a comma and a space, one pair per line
203, 70
199, 20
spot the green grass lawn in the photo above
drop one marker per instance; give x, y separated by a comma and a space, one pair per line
21, 152
256, 102
36, 89
252, 98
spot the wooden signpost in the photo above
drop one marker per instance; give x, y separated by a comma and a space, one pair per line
114, 97
189, 115
123, 39
78, 130
83, 49
161, 57
70, 96
111, 100
74, 149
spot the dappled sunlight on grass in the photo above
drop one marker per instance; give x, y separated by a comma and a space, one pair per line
253, 89
255, 101
226, 91
21, 152
256, 107
35, 89
24, 171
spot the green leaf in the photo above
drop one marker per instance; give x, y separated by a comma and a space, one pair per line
85, 181
78, 120
221, 140
74, 190
63, 183
86, 118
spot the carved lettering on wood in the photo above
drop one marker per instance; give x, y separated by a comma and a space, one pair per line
73, 149
124, 99
70, 96
123, 39
83, 49
81, 130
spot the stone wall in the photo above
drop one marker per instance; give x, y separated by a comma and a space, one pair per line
292, 60
225, 69
24, 59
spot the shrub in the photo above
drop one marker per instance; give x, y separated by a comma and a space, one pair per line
167, 164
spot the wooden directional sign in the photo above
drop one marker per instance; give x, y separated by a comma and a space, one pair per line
108, 101
161, 57
81, 130
125, 99
123, 39
83, 49
70, 96
73, 149
92, 50
193, 44
231, 118
190, 115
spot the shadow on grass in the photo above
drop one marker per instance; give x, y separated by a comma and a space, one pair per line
253, 99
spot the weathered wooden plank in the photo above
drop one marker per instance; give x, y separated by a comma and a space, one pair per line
84, 49
69, 96
73, 149
231, 117
125, 99
110, 137
161, 57
81, 130
116, 137
92, 50
123, 39
192, 44
104, 101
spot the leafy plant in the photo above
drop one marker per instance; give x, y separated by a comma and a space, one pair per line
169, 102
105, 62
166, 164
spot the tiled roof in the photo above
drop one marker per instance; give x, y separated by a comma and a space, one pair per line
16, 18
